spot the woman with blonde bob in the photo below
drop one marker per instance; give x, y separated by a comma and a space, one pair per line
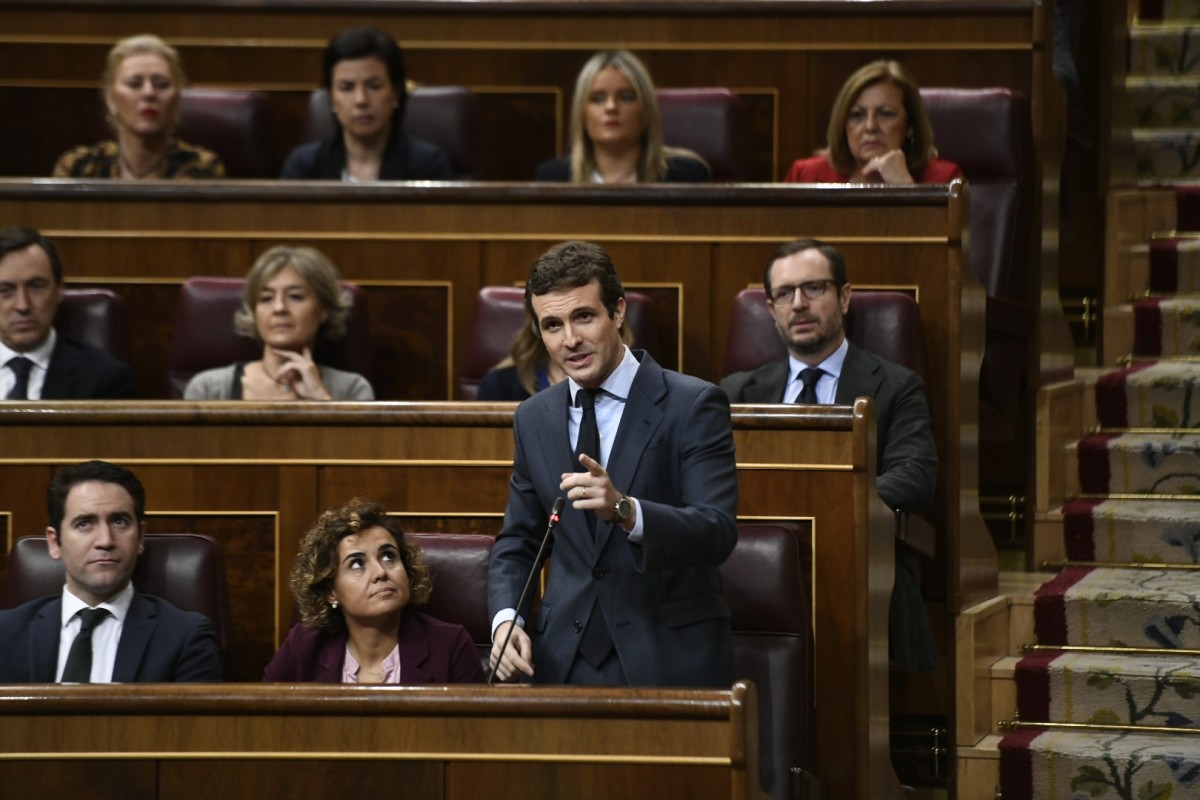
143, 85
292, 296
355, 581
878, 133
616, 129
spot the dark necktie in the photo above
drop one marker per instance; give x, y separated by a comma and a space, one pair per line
20, 365
79, 661
589, 439
809, 377
596, 642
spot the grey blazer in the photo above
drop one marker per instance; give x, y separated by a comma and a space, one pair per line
217, 384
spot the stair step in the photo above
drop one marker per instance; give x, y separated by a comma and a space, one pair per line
1109, 689
1064, 765
1164, 101
1164, 49
1166, 154
1150, 531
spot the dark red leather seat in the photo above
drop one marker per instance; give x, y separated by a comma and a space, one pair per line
458, 563
204, 336
500, 313
185, 569
96, 317
766, 582
233, 123
708, 121
988, 133
447, 116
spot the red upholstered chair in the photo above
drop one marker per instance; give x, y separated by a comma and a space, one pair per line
988, 133
765, 580
500, 313
233, 123
185, 569
204, 336
709, 121
458, 563
96, 317
447, 116
887, 324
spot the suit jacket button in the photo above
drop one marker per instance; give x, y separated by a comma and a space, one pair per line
577, 626
598, 573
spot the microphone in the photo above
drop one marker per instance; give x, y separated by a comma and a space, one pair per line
559, 502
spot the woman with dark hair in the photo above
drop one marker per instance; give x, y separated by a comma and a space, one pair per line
878, 133
364, 76
354, 580
616, 129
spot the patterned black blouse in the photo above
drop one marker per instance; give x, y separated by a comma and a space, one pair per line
102, 160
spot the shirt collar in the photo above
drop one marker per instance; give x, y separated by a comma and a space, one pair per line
620, 380
832, 365
40, 355
117, 605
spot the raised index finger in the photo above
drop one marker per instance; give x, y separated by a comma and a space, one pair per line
592, 465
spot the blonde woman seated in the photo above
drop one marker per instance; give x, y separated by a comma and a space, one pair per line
616, 130
355, 581
292, 296
878, 133
143, 82
528, 369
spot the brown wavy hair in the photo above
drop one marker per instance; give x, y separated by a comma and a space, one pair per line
317, 561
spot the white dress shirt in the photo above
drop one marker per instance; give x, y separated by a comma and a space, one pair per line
105, 636
40, 356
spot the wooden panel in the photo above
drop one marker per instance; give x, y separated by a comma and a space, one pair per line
228, 468
38, 779
320, 740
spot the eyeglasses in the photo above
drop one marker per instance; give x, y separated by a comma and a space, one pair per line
812, 290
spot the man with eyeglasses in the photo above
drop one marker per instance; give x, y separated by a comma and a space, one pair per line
808, 294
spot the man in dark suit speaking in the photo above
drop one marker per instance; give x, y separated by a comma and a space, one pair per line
808, 294
644, 458
100, 629
35, 362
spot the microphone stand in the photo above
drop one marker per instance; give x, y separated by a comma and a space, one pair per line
559, 502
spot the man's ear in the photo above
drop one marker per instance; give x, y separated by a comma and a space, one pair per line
52, 543
619, 311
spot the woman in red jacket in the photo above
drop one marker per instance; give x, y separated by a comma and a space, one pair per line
878, 133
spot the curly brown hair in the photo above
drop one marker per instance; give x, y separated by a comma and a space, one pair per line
317, 561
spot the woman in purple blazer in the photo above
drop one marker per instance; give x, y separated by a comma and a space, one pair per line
355, 580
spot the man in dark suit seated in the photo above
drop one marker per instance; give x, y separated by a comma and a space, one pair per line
644, 458
809, 294
35, 362
100, 629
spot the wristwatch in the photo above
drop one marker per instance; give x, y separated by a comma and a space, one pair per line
623, 508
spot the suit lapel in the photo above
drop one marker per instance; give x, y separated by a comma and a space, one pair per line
135, 637
60, 374
414, 650
768, 384
639, 421
44, 635
860, 377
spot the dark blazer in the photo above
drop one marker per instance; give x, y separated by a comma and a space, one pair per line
431, 651
406, 158
905, 451
662, 598
159, 643
680, 169
79, 371
906, 466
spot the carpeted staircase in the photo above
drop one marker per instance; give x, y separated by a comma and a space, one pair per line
1114, 678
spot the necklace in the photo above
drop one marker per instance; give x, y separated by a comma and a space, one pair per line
127, 169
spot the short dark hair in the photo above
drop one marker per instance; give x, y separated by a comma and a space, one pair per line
570, 265
69, 477
837, 264
15, 237
368, 42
